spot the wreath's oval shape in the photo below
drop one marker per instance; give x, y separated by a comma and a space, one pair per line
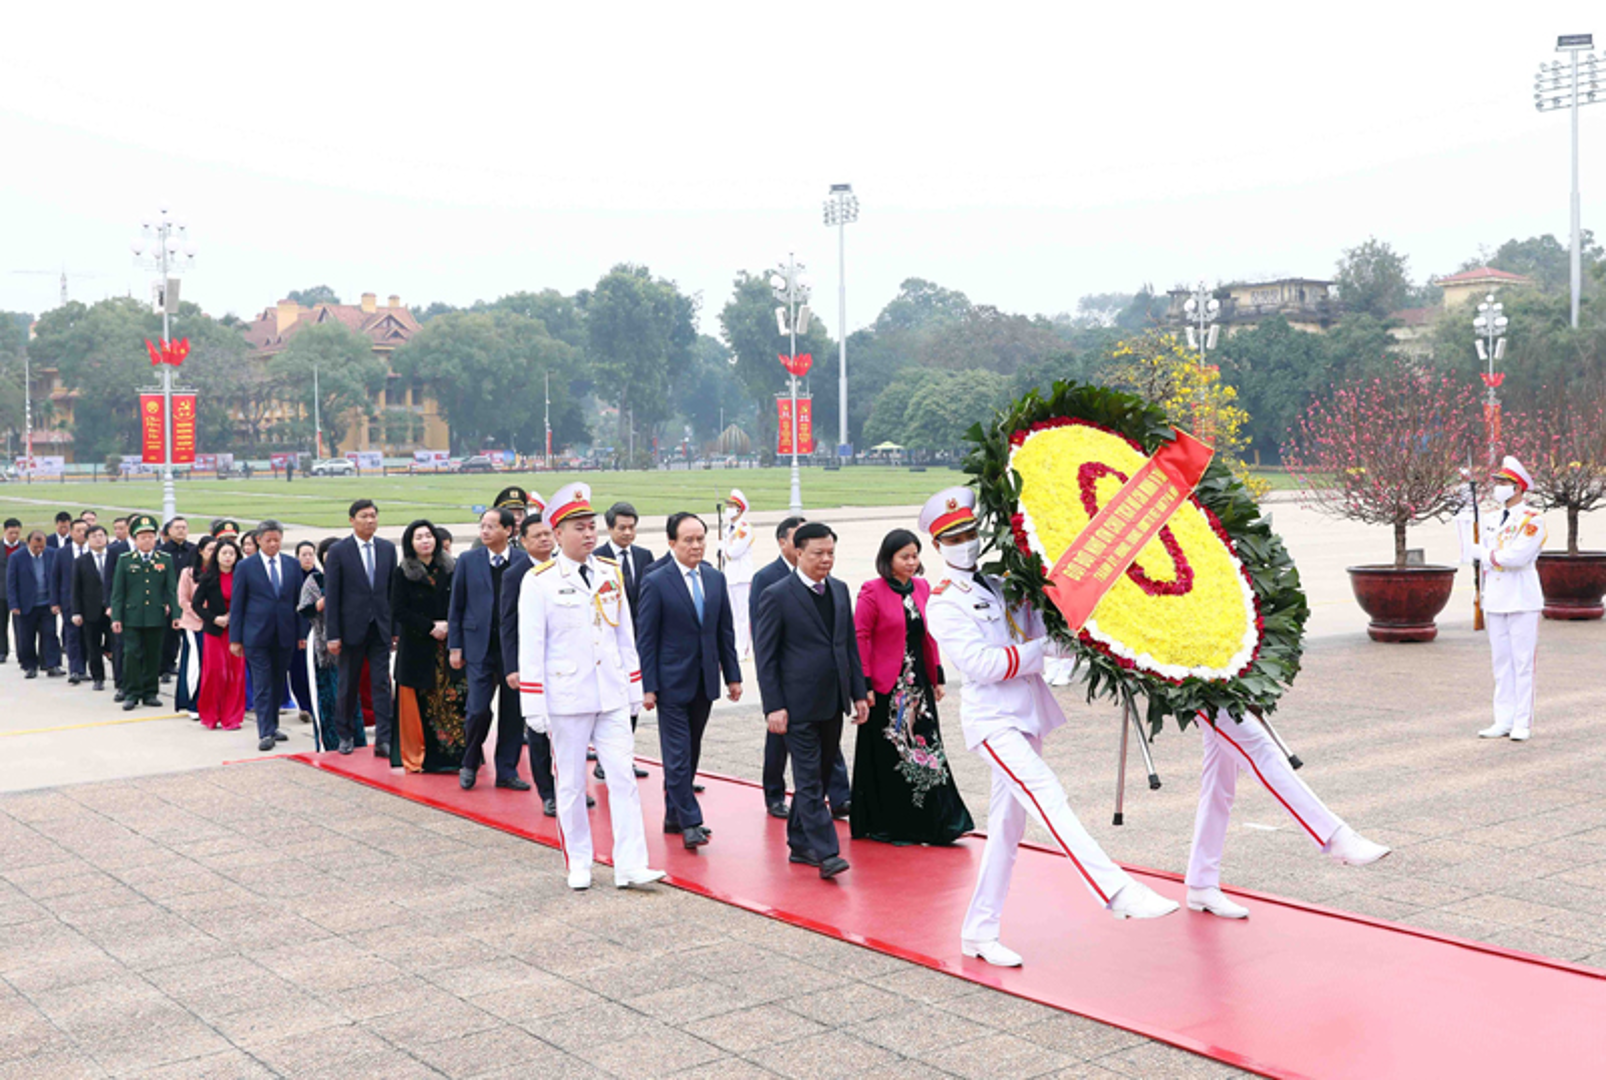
1185, 608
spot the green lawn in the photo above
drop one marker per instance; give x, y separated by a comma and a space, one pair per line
322, 501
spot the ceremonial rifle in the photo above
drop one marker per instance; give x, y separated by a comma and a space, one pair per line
1477, 564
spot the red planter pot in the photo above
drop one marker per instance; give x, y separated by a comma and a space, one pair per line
1573, 584
1403, 602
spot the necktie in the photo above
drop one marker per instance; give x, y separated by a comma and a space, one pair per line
100, 565
273, 575
585, 574
819, 588
696, 593
625, 560
368, 560
497, 561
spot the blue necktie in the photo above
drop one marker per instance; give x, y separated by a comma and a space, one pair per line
273, 575
697, 593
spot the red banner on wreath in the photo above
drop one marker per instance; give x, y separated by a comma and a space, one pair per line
805, 425
1107, 545
151, 420
184, 429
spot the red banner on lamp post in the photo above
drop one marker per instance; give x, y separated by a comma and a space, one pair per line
152, 418
805, 425
184, 429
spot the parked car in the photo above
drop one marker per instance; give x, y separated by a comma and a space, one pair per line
477, 463
334, 467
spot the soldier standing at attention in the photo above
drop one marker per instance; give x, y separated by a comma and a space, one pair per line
579, 678
144, 603
1512, 601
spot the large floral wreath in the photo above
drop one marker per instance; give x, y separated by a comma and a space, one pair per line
1209, 615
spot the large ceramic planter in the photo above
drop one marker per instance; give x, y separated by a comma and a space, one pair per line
1402, 601
1573, 584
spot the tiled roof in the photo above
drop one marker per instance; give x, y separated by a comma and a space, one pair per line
1416, 316
385, 325
1483, 273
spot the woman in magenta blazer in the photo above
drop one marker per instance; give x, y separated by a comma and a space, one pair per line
903, 790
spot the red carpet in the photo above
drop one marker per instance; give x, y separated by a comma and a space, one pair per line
1294, 991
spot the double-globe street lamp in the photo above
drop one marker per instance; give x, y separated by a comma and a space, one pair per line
163, 246
790, 285
1567, 86
842, 210
1490, 326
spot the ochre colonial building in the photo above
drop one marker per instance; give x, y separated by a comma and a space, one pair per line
388, 326
1307, 304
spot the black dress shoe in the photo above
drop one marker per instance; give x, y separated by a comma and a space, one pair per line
807, 858
152, 702
119, 696
466, 778
130, 705
100, 684
31, 675
514, 784
698, 788
590, 803
779, 809
166, 678
279, 736
671, 828
841, 812
694, 837
598, 773
641, 774
266, 744
591, 754
345, 746
830, 868
381, 749
55, 672
549, 807
74, 680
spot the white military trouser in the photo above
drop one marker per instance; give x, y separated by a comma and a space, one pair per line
1022, 785
739, 614
1514, 647
610, 733
1228, 747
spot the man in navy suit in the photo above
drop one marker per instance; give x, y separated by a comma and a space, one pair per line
265, 625
356, 610
634, 561
28, 592
114, 551
63, 533
474, 636
839, 791
61, 598
11, 545
809, 675
685, 634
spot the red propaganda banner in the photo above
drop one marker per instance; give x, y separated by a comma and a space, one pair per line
1099, 556
184, 429
151, 419
805, 425
797, 365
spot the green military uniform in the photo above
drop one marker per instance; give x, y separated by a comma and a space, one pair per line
145, 600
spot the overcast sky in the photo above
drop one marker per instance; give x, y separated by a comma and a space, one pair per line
1025, 154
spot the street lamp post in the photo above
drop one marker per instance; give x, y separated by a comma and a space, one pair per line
1490, 326
1202, 311
1559, 86
791, 288
171, 253
841, 210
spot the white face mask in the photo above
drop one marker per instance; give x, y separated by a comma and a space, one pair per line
1504, 492
962, 556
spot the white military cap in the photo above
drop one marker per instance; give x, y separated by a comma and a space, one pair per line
949, 509
1511, 469
739, 499
572, 500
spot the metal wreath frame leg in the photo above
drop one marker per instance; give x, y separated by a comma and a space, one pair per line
1129, 724
1293, 758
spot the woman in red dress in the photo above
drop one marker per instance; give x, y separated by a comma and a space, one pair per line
222, 698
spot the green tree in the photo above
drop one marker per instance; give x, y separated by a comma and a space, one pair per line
349, 377
318, 294
1276, 369
708, 392
1544, 258
99, 351
489, 371
1374, 279
945, 407
640, 332
561, 316
922, 305
13, 349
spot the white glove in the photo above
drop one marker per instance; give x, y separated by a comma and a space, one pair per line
1480, 553
537, 724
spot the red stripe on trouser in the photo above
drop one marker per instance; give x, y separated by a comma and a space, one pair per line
1267, 784
1046, 821
563, 843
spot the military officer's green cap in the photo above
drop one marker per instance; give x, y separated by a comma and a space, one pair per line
142, 523
226, 527
511, 498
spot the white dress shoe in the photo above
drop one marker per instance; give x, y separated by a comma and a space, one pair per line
580, 878
992, 952
1494, 731
624, 879
1352, 849
1519, 734
1137, 901
1215, 903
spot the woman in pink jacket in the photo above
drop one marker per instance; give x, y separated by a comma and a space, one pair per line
903, 790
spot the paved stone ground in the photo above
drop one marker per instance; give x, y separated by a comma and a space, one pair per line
265, 919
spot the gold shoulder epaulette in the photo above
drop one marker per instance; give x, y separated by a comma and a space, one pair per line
605, 560
544, 567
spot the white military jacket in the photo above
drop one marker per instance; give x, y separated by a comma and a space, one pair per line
1000, 654
1510, 576
577, 647
738, 545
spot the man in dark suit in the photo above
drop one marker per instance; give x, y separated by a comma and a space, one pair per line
28, 594
265, 625
685, 635
474, 636
176, 544
357, 612
536, 544
114, 551
839, 791
633, 560
63, 531
9, 546
61, 598
90, 604
809, 674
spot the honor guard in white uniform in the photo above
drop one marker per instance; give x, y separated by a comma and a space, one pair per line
736, 541
579, 681
1231, 747
1512, 600
1006, 709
